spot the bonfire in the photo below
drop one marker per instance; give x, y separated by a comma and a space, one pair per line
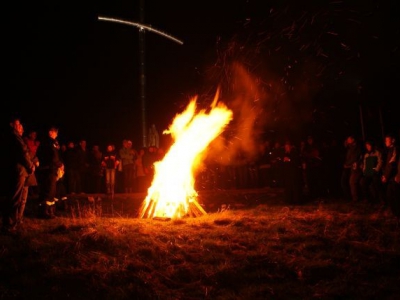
172, 193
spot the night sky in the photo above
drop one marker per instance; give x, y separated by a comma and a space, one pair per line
313, 63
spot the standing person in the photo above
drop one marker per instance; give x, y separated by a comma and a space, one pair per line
95, 170
389, 168
351, 169
72, 168
48, 173
83, 166
140, 185
32, 143
17, 168
371, 173
154, 138
110, 163
128, 156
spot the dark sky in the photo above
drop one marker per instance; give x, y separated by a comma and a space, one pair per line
315, 61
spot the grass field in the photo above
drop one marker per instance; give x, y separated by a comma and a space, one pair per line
331, 250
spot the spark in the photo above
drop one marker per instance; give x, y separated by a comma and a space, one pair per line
344, 46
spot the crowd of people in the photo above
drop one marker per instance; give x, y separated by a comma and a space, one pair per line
353, 170
357, 171
49, 171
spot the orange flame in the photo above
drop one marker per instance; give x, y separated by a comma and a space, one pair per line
172, 188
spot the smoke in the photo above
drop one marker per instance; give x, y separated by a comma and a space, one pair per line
262, 104
279, 71
240, 142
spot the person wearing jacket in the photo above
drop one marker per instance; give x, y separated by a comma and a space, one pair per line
49, 171
371, 171
389, 170
17, 168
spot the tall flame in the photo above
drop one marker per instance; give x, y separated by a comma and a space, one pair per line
172, 189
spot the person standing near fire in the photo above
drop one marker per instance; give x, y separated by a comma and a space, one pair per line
154, 137
33, 143
110, 163
128, 156
17, 167
371, 172
50, 169
83, 166
389, 169
351, 172
95, 170
140, 183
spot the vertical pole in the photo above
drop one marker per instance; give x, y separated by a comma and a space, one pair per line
142, 75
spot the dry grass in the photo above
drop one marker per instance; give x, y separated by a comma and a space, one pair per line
318, 251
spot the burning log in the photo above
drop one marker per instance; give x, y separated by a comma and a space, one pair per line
194, 210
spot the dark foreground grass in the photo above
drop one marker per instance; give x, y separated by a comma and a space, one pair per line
318, 251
